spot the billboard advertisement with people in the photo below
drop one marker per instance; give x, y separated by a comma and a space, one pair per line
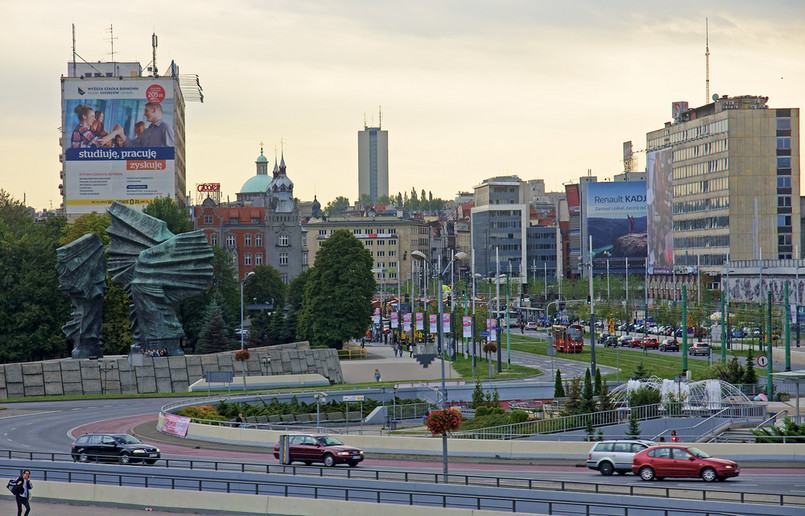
119, 141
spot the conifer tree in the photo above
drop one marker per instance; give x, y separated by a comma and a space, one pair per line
597, 384
750, 376
558, 388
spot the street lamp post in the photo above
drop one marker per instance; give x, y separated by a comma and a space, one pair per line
474, 279
243, 362
440, 273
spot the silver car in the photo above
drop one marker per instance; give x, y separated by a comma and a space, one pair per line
616, 455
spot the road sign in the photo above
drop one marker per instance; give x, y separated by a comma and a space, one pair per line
551, 351
358, 397
762, 361
483, 333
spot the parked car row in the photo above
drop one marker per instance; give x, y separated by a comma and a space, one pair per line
655, 461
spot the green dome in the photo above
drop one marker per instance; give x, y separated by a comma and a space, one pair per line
261, 158
257, 183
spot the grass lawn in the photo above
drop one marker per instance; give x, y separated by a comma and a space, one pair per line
667, 365
464, 367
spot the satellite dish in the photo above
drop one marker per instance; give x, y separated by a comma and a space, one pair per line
715, 96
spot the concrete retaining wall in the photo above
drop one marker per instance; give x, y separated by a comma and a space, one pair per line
114, 375
218, 503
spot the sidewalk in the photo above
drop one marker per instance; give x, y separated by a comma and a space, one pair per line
397, 369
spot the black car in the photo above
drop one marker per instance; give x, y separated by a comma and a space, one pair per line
669, 345
121, 448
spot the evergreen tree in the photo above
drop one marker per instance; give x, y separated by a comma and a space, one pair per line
633, 432
597, 385
477, 396
558, 388
735, 371
573, 397
587, 403
589, 429
640, 372
604, 401
214, 335
750, 376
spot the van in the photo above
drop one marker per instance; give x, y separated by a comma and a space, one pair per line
612, 456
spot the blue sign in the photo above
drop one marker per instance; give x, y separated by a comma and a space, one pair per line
484, 334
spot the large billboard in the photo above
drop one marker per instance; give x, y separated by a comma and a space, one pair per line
616, 220
119, 141
659, 203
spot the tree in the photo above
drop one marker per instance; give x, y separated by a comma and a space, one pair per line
573, 396
598, 383
750, 376
163, 208
633, 431
336, 206
735, 371
266, 286
604, 401
337, 305
214, 334
558, 389
116, 334
640, 372
587, 403
477, 396
85, 224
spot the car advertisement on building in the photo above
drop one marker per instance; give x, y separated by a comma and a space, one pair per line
659, 208
118, 141
616, 221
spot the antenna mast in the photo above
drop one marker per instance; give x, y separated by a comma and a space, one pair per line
707, 58
379, 117
112, 39
154, 51
73, 74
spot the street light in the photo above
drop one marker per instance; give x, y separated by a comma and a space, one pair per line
243, 362
474, 279
440, 273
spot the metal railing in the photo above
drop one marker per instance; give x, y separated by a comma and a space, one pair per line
762, 496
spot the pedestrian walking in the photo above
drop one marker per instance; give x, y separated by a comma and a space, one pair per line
377, 375
22, 492
674, 437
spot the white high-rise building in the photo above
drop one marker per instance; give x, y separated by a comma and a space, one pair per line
373, 162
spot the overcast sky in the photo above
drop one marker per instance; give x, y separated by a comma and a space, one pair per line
469, 89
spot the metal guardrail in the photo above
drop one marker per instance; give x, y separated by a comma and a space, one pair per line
384, 494
696, 494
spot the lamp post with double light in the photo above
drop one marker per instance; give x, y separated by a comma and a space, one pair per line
439, 272
243, 362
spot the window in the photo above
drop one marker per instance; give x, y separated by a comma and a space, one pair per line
381, 242
283, 241
322, 232
381, 253
370, 242
247, 240
784, 239
283, 258
247, 259
304, 259
783, 161
783, 143
783, 201
208, 218
356, 231
783, 221
783, 181
258, 259
255, 220
783, 124
230, 240
213, 239
392, 253
258, 240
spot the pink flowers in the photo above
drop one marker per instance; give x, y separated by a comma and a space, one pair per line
444, 421
242, 355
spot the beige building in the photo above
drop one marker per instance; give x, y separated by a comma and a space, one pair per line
735, 184
390, 241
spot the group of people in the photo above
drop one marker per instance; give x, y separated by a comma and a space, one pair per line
155, 352
90, 131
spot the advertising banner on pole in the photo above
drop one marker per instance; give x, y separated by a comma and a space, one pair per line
420, 321
467, 324
491, 328
446, 323
395, 323
376, 316
407, 322
433, 320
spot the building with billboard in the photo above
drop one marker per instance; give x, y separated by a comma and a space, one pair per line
725, 178
123, 137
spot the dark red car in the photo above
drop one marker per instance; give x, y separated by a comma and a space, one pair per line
320, 448
636, 342
682, 461
650, 342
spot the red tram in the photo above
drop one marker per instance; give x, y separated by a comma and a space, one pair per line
568, 339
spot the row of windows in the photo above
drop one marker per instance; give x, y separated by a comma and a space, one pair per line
714, 203
391, 231
720, 126
703, 223
704, 149
702, 242
699, 169
698, 187
258, 258
231, 240
506, 224
380, 242
540, 246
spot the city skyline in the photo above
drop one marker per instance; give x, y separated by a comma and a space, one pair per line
468, 91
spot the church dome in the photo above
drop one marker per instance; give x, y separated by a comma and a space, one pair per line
256, 184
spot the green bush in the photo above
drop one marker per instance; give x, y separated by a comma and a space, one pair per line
518, 416
202, 414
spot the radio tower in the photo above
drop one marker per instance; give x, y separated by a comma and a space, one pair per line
707, 58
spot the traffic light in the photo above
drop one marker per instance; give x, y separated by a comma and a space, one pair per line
588, 300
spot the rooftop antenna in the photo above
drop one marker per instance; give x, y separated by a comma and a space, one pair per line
112, 39
364, 120
379, 117
73, 74
154, 61
707, 57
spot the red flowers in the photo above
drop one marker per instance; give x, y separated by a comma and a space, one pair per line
444, 421
242, 355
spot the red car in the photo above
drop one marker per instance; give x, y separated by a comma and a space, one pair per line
681, 461
651, 342
320, 448
636, 342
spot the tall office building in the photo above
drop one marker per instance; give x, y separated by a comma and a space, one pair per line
373, 162
723, 180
